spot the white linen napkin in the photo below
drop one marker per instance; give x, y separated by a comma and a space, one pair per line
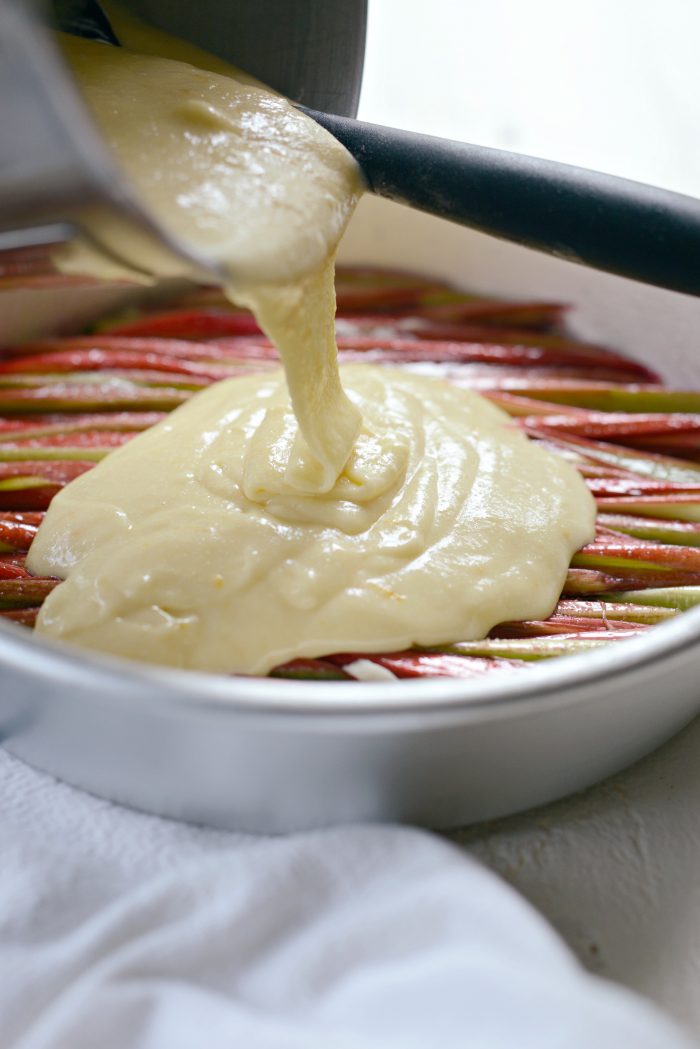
124, 931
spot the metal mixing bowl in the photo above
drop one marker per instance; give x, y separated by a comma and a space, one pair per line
57, 176
310, 50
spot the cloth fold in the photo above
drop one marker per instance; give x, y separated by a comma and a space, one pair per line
124, 931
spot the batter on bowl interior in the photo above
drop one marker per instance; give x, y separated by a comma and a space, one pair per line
289, 514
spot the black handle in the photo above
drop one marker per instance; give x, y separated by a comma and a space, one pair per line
610, 223
83, 18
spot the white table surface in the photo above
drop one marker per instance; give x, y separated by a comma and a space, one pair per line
613, 86
615, 870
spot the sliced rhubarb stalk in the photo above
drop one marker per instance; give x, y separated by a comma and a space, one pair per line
611, 487
643, 464
38, 453
589, 470
396, 350
551, 382
189, 324
431, 302
84, 362
684, 533
685, 445
12, 567
119, 352
540, 647
32, 497
404, 325
680, 506
617, 426
617, 610
21, 482
71, 443
134, 377
413, 664
592, 394
104, 350
23, 593
98, 343
311, 670
562, 625
17, 530
679, 598
27, 486
24, 616
113, 395
673, 448
586, 582
37, 427
519, 407
582, 582
618, 551
14, 474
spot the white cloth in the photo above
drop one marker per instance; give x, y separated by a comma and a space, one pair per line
124, 931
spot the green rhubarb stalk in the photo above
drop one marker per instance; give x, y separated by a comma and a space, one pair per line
115, 380
645, 464
309, 670
105, 397
18, 484
117, 422
621, 563
604, 611
600, 396
48, 453
520, 407
681, 533
679, 598
676, 508
537, 647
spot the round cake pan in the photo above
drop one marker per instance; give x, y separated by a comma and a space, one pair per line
272, 756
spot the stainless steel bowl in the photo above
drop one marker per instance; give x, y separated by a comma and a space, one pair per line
274, 756
56, 174
311, 50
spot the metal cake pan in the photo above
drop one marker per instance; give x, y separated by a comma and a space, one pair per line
275, 756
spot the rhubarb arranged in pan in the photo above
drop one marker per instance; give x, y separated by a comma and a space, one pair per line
66, 402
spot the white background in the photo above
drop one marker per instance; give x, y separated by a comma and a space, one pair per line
608, 84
